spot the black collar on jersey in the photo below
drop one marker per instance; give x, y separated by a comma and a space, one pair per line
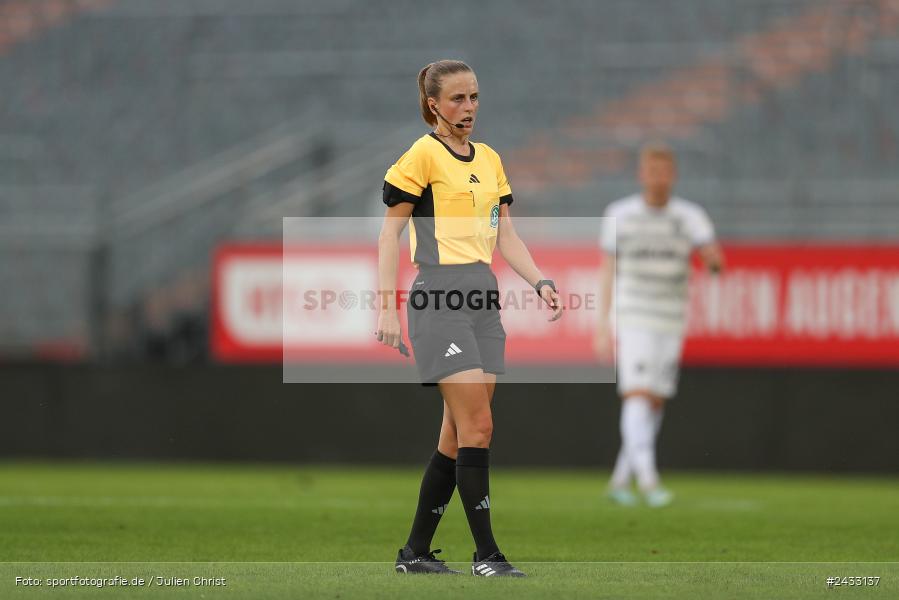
468, 158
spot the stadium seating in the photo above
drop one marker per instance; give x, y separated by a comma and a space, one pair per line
137, 123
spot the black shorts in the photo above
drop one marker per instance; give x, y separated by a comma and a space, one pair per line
454, 322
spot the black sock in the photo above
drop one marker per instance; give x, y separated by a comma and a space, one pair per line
437, 487
473, 479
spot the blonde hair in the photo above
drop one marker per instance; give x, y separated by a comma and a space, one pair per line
657, 149
429, 80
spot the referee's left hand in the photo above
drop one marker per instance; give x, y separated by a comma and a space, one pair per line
551, 298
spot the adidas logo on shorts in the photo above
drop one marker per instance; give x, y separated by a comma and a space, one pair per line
453, 350
484, 504
439, 510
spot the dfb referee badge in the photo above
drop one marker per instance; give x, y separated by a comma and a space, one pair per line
494, 216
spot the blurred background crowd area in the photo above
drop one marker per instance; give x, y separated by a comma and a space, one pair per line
136, 136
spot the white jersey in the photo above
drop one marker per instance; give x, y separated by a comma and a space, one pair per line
652, 250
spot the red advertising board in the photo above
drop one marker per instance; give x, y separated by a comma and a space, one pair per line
798, 305
776, 304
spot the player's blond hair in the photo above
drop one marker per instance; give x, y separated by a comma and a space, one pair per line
657, 149
429, 80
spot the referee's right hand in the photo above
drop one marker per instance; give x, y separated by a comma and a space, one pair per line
389, 332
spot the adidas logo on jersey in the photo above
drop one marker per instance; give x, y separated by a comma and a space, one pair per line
439, 510
484, 505
474, 179
453, 350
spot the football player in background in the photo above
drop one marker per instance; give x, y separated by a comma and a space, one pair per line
647, 241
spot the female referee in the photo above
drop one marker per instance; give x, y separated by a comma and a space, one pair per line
458, 197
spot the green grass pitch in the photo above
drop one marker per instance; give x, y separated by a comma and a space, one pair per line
333, 532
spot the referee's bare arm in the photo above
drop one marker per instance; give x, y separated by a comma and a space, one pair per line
388, 262
516, 254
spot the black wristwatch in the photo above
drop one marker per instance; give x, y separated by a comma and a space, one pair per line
543, 282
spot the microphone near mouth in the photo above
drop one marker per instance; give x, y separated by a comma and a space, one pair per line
445, 120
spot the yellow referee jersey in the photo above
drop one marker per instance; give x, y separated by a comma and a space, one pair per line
456, 200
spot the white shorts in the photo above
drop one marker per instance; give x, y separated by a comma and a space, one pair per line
648, 360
